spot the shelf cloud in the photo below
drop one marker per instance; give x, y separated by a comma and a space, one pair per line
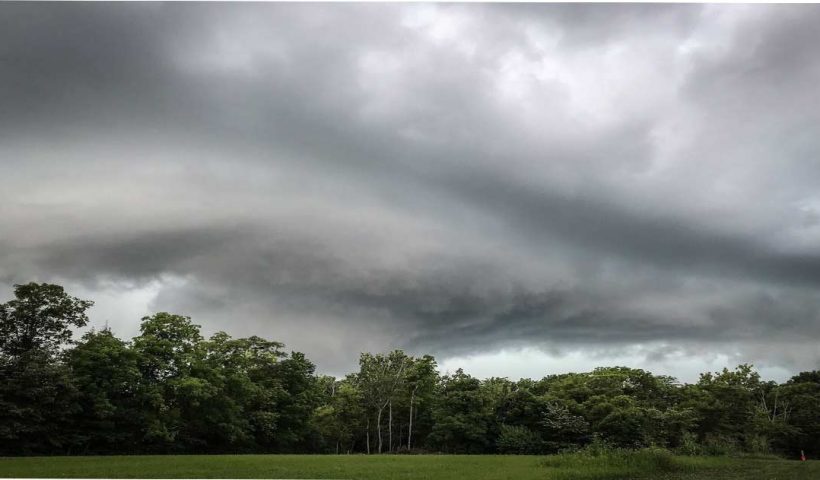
451, 179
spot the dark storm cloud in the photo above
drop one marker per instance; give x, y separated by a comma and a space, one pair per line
444, 178
592, 24
660, 241
137, 257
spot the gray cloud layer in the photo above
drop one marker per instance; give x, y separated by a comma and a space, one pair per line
453, 179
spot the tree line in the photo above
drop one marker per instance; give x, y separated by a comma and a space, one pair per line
170, 390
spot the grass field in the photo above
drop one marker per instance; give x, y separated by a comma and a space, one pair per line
438, 467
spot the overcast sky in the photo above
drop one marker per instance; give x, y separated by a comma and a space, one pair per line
516, 189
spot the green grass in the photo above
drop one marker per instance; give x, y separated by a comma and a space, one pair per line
615, 464
439, 467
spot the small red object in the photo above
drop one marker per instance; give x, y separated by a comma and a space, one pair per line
802, 456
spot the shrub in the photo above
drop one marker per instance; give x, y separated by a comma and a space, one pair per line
758, 444
518, 440
689, 445
720, 446
600, 460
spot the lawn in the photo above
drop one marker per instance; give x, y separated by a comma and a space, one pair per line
439, 467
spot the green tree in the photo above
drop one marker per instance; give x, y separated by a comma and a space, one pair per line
37, 400
561, 428
243, 415
420, 383
37, 395
463, 416
340, 418
168, 348
107, 376
295, 394
380, 378
39, 318
725, 403
800, 407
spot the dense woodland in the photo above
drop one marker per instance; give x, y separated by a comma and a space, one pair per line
169, 390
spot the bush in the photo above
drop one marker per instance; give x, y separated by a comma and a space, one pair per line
601, 460
599, 447
518, 440
720, 446
758, 445
689, 445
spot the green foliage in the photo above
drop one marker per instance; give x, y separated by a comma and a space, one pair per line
561, 428
170, 390
518, 440
37, 393
39, 318
689, 445
340, 418
720, 445
107, 376
37, 400
463, 415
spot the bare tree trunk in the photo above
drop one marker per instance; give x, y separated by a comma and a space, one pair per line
379, 428
368, 434
410, 427
776, 394
390, 428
